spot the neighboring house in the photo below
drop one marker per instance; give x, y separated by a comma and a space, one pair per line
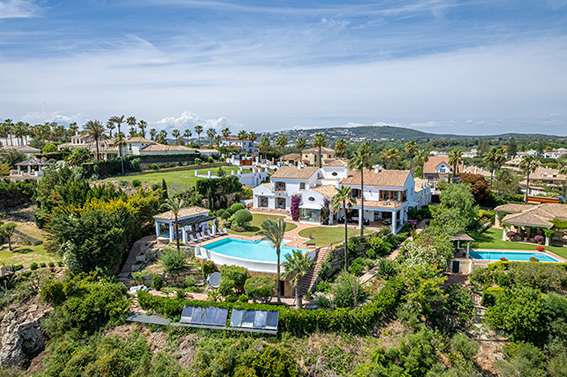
190, 221
160, 149
208, 152
473, 153
291, 159
388, 194
531, 152
244, 145
546, 176
22, 148
311, 156
476, 170
423, 192
438, 169
556, 153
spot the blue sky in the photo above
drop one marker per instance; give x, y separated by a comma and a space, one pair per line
443, 66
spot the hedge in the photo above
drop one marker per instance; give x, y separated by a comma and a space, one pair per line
506, 265
489, 296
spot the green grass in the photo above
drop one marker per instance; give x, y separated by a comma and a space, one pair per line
323, 236
182, 177
26, 254
492, 239
257, 221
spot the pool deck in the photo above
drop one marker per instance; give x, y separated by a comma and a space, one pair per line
295, 243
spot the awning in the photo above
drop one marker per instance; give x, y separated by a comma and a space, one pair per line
413, 203
310, 206
195, 220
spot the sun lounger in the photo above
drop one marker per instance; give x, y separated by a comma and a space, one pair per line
224, 231
204, 236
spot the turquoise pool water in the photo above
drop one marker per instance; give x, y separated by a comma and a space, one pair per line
517, 256
257, 250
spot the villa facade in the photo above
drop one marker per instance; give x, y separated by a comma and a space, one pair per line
244, 145
438, 169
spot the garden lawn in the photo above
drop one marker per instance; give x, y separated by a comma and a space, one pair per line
257, 221
182, 177
323, 236
492, 239
26, 254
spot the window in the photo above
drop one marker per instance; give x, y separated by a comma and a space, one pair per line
311, 199
280, 186
302, 186
311, 215
263, 201
280, 203
334, 174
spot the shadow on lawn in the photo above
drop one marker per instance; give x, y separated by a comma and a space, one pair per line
482, 238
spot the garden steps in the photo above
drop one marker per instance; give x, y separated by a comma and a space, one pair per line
309, 280
131, 260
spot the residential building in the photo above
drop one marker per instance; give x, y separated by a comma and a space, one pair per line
438, 169
310, 156
473, 153
555, 153
244, 145
546, 176
208, 152
291, 159
476, 170
22, 148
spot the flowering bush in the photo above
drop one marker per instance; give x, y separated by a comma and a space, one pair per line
511, 234
538, 238
540, 248
421, 255
504, 259
534, 259
294, 208
413, 222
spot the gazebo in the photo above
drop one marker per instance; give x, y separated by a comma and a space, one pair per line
34, 161
189, 220
463, 237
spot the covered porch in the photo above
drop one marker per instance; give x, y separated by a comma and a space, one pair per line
190, 221
387, 213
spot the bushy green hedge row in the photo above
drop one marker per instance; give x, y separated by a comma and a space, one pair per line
489, 296
506, 265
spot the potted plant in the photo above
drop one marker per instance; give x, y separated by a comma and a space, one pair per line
511, 234
538, 239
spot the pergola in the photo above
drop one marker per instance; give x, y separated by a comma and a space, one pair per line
463, 237
189, 220
32, 162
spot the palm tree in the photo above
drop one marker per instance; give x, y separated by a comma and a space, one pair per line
242, 135
297, 265
94, 130
421, 157
320, 141
132, 132
218, 141
211, 133
361, 161
281, 142
198, 130
226, 133
300, 144
118, 120
19, 131
175, 205
131, 121
153, 133
500, 158
8, 130
273, 231
340, 148
563, 170
4, 131
176, 134
455, 158
110, 125
120, 142
343, 199
490, 159
264, 146
411, 147
252, 136
528, 165
391, 155
187, 134
142, 124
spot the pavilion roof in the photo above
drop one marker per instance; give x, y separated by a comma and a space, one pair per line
34, 161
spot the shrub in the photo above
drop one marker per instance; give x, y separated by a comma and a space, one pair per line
210, 160
190, 280
225, 215
242, 217
155, 167
20, 266
226, 289
538, 238
198, 161
502, 279
356, 269
157, 282
343, 291
60, 264
220, 212
387, 268
243, 298
52, 293
260, 288
490, 295
534, 259
480, 278
208, 267
42, 265
138, 277
180, 293
173, 260
540, 249
323, 286
49, 148
33, 266
51, 264
237, 274
237, 207
136, 183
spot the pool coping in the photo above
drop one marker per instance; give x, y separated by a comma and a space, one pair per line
548, 253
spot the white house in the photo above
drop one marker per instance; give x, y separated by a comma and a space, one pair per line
244, 145
470, 154
208, 152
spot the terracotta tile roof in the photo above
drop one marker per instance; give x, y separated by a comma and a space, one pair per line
323, 149
294, 172
513, 208
435, 161
540, 215
183, 212
22, 148
166, 148
138, 139
387, 178
548, 174
326, 190
291, 156
514, 162
476, 170
335, 162
207, 151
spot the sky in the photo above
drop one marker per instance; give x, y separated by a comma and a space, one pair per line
469, 67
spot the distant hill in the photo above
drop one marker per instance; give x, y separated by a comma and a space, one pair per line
389, 132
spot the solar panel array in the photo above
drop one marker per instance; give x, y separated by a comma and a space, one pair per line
242, 320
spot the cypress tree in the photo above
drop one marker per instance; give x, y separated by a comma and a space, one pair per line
164, 196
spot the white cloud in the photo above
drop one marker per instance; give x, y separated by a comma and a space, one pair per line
190, 120
18, 9
55, 116
553, 115
424, 124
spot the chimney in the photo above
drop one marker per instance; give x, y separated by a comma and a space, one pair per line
377, 168
337, 182
299, 166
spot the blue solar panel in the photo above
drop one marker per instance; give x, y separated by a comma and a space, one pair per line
222, 315
186, 314
236, 317
210, 314
272, 321
260, 319
197, 315
248, 319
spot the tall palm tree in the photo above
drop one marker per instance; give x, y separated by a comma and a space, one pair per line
242, 135
411, 147
94, 131
153, 133
198, 130
340, 148
218, 140
455, 159
320, 141
361, 161
528, 165
226, 133
300, 144
176, 134
281, 142
142, 125
273, 231
296, 266
8, 124
421, 157
562, 166
72, 127
187, 134
19, 131
120, 142
131, 121
110, 126
391, 155
211, 133
252, 136
500, 158
175, 205
118, 120
264, 146
4, 131
343, 199
490, 159
132, 132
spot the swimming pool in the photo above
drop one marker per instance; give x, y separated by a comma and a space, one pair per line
517, 256
251, 250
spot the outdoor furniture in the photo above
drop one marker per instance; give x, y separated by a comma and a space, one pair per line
224, 231
192, 238
204, 236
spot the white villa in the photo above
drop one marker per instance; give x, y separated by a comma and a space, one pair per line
244, 145
388, 194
